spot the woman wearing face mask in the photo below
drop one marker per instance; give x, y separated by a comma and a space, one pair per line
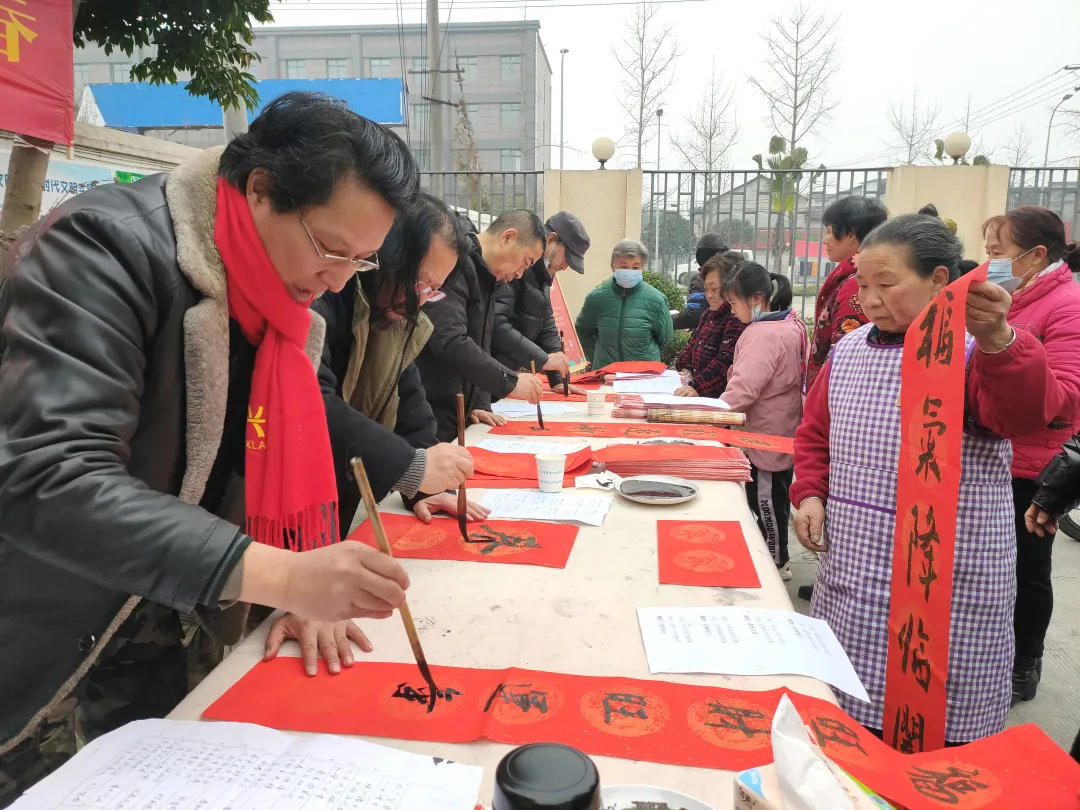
1028, 254
711, 349
626, 318
846, 455
765, 383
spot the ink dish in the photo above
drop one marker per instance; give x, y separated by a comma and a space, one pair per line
657, 490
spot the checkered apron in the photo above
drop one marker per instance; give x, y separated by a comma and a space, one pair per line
853, 584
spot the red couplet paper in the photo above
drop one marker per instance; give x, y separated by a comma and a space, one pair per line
704, 552
565, 324
36, 75
518, 470
927, 493
654, 721
520, 542
652, 430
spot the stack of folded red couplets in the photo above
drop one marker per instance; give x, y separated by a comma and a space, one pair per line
518, 470
644, 367
696, 462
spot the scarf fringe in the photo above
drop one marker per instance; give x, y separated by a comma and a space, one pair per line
313, 527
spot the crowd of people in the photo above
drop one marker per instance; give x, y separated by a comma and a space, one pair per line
189, 364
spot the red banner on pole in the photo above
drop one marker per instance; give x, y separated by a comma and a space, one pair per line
927, 496
565, 324
37, 96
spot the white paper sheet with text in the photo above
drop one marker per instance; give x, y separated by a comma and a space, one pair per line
236, 766
516, 407
530, 447
700, 403
561, 507
665, 383
746, 641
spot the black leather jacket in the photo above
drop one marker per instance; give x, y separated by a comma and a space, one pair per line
1059, 482
525, 327
114, 372
457, 356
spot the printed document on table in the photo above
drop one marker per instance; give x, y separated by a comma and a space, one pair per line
517, 407
746, 641
560, 507
701, 403
236, 766
665, 383
531, 448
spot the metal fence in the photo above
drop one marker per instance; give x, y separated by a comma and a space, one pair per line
1056, 189
774, 217
485, 195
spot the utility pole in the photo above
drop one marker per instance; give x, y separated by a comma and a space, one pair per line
656, 184
235, 121
436, 96
562, 104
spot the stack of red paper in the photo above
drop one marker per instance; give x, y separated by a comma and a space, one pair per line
646, 368
493, 470
629, 406
696, 462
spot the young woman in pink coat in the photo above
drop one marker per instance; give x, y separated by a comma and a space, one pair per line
765, 383
1029, 242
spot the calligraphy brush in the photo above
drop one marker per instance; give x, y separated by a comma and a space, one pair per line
384, 546
566, 379
462, 495
539, 410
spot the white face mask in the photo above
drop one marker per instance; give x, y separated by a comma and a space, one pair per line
1000, 272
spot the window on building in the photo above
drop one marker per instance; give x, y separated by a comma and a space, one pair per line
511, 69
473, 110
379, 68
468, 65
295, 68
121, 71
510, 116
510, 160
419, 64
82, 75
423, 159
420, 117
337, 68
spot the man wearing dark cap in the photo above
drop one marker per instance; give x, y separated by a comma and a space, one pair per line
708, 246
525, 327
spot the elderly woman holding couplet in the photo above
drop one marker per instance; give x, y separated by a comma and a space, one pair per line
847, 452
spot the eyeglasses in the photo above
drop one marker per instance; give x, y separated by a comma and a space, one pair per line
360, 265
433, 295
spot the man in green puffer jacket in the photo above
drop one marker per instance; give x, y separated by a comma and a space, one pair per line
625, 319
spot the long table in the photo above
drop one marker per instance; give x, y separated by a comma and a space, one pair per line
579, 620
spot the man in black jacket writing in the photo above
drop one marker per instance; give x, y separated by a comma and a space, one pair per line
457, 357
525, 330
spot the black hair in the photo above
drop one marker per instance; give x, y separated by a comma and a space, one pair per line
709, 245
306, 142
929, 210
750, 279
928, 241
966, 266
525, 222
854, 215
406, 246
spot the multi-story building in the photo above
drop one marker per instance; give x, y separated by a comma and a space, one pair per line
503, 80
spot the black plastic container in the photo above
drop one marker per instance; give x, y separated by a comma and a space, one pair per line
546, 776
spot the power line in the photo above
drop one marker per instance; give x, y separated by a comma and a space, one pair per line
1032, 87
476, 5
1042, 99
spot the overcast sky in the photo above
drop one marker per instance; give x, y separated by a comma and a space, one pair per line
986, 48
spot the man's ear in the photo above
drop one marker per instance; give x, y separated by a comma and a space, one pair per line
508, 237
258, 185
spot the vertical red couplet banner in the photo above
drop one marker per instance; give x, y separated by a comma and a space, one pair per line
927, 495
565, 324
36, 73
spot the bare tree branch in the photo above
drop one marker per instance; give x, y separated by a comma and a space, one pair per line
802, 61
914, 129
647, 58
1018, 148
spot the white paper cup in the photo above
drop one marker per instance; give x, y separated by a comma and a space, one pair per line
550, 468
596, 400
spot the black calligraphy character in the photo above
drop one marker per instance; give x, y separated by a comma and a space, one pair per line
944, 351
421, 696
923, 542
521, 695
930, 411
736, 719
928, 463
920, 664
611, 707
909, 729
496, 540
948, 786
830, 730
592, 430
926, 326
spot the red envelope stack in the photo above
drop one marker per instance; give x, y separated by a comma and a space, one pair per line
685, 461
